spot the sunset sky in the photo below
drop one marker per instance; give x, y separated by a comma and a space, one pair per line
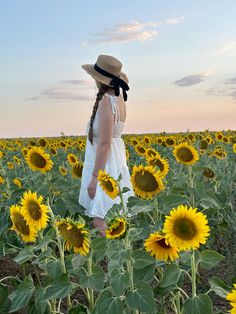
180, 57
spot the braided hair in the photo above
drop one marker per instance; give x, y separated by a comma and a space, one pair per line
102, 90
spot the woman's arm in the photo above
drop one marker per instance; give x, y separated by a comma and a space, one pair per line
106, 120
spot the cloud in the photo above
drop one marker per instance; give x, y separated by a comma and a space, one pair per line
219, 91
192, 79
227, 47
175, 20
133, 30
84, 83
68, 90
231, 81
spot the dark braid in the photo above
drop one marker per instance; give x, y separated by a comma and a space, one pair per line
102, 90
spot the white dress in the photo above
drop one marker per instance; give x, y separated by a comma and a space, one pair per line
116, 164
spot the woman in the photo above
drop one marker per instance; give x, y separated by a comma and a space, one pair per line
105, 148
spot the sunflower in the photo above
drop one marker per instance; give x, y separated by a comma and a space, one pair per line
140, 149
37, 159
151, 152
20, 225
43, 142
161, 164
220, 153
34, 211
72, 159
185, 153
207, 172
232, 297
116, 228
77, 170
63, 170
75, 235
10, 165
159, 247
186, 228
234, 148
1, 154
108, 184
17, 182
17, 160
2, 180
146, 181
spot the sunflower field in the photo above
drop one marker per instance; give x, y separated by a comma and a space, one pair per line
170, 250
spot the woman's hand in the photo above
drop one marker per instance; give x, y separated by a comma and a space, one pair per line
92, 187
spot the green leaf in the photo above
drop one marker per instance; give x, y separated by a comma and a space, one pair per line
171, 276
3, 296
98, 247
119, 280
43, 242
54, 269
125, 189
142, 259
24, 255
170, 201
142, 298
199, 305
21, 296
136, 209
59, 289
209, 258
145, 274
219, 286
39, 303
108, 304
94, 281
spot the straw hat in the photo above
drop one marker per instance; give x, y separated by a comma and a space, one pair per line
107, 70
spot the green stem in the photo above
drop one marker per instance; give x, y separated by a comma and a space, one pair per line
178, 303
60, 246
191, 183
193, 274
156, 211
90, 291
129, 264
121, 197
161, 273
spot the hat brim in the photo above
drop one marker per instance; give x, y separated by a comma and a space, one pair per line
89, 68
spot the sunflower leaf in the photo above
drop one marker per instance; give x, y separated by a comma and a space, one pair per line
107, 303
219, 287
24, 255
142, 259
209, 258
142, 298
21, 296
119, 280
200, 304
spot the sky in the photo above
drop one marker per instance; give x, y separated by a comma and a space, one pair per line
179, 56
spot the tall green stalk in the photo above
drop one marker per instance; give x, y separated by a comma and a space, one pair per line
60, 246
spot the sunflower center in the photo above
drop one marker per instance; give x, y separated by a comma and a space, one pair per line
118, 229
77, 169
185, 228
73, 235
34, 210
146, 181
163, 244
20, 224
38, 160
108, 185
185, 154
159, 164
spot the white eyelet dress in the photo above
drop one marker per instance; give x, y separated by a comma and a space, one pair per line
116, 164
